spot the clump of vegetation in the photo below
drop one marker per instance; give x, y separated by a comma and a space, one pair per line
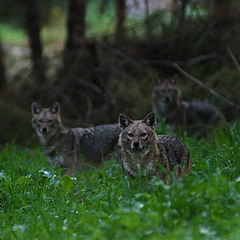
38, 202
15, 124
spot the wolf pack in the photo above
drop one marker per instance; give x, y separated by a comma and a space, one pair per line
140, 149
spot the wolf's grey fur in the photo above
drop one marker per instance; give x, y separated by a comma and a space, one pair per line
167, 105
200, 112
154, 154
63, 145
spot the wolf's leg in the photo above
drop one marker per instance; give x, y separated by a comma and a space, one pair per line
185, 166
167, 174
70, 163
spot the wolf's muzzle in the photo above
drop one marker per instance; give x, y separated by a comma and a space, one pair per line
136, 146
44, 130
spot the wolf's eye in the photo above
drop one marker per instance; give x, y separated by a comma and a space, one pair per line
143, 134
49, 121
40, 120
130, 134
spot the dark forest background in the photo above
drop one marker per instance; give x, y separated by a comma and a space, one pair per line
99, 57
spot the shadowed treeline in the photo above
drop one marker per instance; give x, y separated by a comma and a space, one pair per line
97, 69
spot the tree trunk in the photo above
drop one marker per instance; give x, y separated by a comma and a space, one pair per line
184, 4
222, 12
76, 29
2, 70
83, 78
148, 21
223, 16
33, 29
178, 12
121, 11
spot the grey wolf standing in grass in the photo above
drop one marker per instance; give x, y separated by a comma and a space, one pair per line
155, 154
167, 105
62, 145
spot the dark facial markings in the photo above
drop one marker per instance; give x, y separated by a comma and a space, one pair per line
130, 135
143, 135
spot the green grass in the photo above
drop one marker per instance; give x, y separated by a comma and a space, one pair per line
39, 202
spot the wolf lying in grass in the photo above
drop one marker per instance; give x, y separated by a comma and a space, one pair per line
62, 145
155, 154
167, 105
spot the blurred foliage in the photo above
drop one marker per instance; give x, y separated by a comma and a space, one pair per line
16, 13
15, 124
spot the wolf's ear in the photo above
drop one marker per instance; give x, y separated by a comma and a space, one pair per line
150, 120
55, 108
36, 109
157, 81
123, 121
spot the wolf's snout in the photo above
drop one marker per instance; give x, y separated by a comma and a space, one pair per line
136, 144
44, 130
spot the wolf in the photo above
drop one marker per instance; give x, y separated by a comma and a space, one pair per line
63, 146
167, 104
154, 154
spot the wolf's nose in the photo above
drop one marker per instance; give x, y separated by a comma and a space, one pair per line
136, 144
44, 130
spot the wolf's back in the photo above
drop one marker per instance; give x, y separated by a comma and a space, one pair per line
95, 141
201, 112
176, 151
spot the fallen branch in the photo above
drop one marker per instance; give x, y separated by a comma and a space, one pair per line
209, 90
236, 63
233, 58
201, 59
187, 63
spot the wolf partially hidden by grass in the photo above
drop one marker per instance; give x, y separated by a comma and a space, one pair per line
153, 154
63, 145
167, 105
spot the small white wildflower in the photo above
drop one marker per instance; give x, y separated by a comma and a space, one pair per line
19, 227
64, 227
